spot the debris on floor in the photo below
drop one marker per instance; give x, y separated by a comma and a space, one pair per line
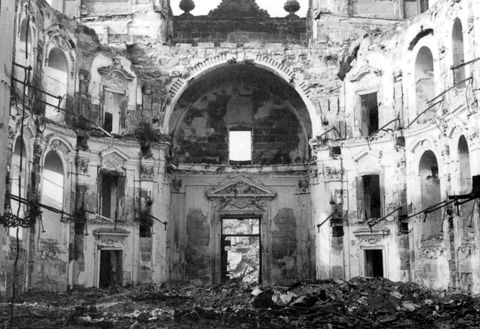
322, 304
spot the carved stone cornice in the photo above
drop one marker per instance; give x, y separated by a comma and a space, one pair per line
110, 235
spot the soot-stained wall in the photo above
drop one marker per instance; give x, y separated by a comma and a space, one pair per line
202, 133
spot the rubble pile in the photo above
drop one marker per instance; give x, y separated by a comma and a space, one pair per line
327, 304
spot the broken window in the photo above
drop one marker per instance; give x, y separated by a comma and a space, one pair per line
368, 197
57, 82
424, 83
111, 268
369, 108
431, 195
374, 263
458, 51
240, 250
240, 146
52, 189
112, 192
113, 116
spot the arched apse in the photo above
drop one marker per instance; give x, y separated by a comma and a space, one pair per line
240, 97
430, 195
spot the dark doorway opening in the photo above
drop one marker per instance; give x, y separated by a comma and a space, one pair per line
111, 269
374, 263
241, 250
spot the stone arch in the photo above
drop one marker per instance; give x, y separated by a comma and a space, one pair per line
259, 61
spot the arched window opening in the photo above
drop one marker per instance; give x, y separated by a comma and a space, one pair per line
18, 176
52, 188
465, 184
25, 46
458, 52
431, 195
424, 83
57, 84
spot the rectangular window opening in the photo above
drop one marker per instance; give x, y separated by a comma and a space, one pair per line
109, 196
369, 114
374, 263
372, 199
240, 147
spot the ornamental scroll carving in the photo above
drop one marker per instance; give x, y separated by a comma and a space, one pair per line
115, 75
60, 42
146, 172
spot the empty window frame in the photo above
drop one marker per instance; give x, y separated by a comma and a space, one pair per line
112, 192
369, 114
369, 197
113, 117
240, 146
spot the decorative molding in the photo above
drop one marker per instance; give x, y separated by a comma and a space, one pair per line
110, 236
146, 172
433, 253
242, 193
113, 160
115, 75
60, 41
82, 165
358, 74
371, 236
241, 187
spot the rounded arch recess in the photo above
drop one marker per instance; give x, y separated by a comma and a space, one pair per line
260, 62
240, 83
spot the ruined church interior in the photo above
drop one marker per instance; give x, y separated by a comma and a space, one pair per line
287, 162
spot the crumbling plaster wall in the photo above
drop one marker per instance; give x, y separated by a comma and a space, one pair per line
194, 240
388, 59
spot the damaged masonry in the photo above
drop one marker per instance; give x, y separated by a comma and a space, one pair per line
235, 149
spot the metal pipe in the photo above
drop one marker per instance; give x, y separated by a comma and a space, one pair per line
428, 108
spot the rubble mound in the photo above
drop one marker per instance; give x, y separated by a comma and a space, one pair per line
322, 304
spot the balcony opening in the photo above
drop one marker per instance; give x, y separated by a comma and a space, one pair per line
369, 197
57, 83
369, 108
112, 187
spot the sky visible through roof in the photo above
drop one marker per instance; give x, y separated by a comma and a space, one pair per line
274, 7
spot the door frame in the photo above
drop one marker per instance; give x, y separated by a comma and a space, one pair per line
259, 235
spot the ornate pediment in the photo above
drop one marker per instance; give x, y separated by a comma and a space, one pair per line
115, 75
241, 187
113, 160
358, 73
